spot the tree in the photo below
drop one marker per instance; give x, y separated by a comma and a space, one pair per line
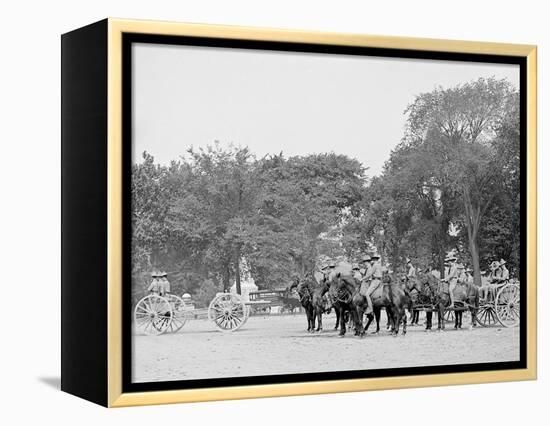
213, 213
460, 124
150, 202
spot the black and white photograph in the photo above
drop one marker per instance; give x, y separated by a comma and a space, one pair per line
298, 212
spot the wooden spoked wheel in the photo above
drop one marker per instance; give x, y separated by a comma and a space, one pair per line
449, 315
487, 316
507, 305
153, 315
179, 317
228, 312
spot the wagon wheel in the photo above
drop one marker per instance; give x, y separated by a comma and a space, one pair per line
449, 315
507, 305
179, 317
228, 312
153, 315
486, 315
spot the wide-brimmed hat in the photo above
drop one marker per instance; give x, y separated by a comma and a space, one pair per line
155, 274
332, 264
365, 258
502, 262
375, 256
483, 272
163, 274
450, 258
355, 267
408, 260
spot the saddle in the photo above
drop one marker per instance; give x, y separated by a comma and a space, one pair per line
379, 292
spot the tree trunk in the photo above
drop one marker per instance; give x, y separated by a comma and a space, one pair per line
226, 278
474, 252
238, 272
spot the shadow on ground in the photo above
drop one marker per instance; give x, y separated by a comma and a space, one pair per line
53, 382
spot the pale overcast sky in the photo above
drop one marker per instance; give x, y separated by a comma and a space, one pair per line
297, 103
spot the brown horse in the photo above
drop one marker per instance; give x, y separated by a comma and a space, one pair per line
435, 295
389, 295
305, 288
342, 290
321, 304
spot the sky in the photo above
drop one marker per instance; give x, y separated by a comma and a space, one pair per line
297, 103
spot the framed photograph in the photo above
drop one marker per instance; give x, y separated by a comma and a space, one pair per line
254, 212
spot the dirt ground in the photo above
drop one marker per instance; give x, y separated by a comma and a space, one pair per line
280, 345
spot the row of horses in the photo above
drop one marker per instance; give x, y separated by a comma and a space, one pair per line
397, 294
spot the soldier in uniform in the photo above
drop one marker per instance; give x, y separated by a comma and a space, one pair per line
165, 284
331, 272
375, 276
504, 273
356, 272
366, 263
411, 270
461, 278
496, 272
469, 276
488, 291
451, 276
154, 287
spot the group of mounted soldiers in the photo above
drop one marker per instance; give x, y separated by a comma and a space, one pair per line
369, 273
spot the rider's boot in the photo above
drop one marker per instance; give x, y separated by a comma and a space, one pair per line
369, 305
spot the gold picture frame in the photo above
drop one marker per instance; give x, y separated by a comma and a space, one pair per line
115, 29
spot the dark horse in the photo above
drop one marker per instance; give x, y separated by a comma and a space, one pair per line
435, 294
320, 303
305, 289
389, 295
342, 290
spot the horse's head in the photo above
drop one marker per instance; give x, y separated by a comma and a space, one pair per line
294, 283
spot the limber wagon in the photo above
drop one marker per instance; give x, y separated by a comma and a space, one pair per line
156, 314
499, 307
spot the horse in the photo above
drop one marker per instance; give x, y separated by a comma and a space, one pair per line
305, 289
320, 304
434, 292
342, 290
388, 295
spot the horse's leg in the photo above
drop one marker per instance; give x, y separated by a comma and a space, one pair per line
342, 321
310, 318
377, 312
473, 314
441, 317
405, 325
359, 323
428, 319
307, 317
319, 319
337, 311
370, 317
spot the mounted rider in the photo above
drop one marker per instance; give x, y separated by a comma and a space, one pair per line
329, 271
451, 276
374, 274
462, 278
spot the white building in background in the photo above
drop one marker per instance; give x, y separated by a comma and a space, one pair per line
247, 282
247, 286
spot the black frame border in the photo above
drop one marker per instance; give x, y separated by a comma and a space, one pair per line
129, 38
